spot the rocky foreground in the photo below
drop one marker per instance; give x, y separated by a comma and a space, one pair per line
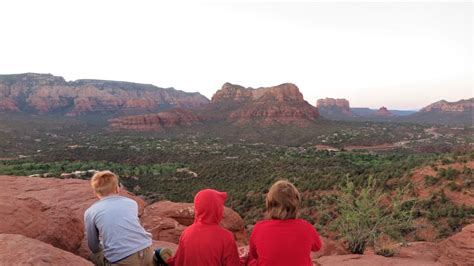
42, 224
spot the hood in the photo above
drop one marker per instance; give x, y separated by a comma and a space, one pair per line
209, 206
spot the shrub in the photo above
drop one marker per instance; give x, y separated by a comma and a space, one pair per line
363, 218
430, 180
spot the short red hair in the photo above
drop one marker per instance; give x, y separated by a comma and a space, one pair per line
104, 183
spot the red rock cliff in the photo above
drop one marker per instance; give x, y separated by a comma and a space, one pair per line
45, 93
159, 121
279, 104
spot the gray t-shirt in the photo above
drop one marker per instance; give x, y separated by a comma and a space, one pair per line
115, 220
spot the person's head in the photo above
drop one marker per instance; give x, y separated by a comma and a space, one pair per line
105, 183
282, 201
209, 206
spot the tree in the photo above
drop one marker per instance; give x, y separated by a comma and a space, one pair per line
365, 215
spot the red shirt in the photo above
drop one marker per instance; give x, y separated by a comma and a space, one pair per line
205, 242
283, 242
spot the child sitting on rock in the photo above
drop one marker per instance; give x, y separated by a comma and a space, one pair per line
114, 219
205, 242
283, 239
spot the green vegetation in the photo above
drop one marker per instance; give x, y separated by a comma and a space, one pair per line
363, 216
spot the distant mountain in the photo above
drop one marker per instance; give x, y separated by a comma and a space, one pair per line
282, 104
335, 109
48, 94
446, 113
279, 104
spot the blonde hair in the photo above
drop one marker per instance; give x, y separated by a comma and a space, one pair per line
282, 201
104, 183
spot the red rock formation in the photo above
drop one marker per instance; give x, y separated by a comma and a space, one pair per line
54, 225
280, 104
285, 92
159, 121
48, 209
328, 102
330, 248
458, 249
20, 250
445, 106
383, 112
166, 220
44, 94
455, 250
334, 108
370, 260
9, 105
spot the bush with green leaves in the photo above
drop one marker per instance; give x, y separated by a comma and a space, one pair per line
367, 213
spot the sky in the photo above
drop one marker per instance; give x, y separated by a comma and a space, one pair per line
402, 55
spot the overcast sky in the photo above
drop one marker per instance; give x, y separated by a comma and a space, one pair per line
400, 55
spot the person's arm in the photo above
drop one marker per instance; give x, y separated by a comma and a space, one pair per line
92, 233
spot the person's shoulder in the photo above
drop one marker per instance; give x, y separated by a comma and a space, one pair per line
125, 199
305, 224
263, 223
92, 209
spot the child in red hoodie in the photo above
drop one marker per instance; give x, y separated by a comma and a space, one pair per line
205, 242
283, 239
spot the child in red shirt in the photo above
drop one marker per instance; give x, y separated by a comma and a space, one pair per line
205, 242
283, 239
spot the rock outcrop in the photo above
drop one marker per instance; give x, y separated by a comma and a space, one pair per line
47, 94
159, 121
282, 104
20, 250
54, 225
166, 220
383, 112
455, 250
334, 108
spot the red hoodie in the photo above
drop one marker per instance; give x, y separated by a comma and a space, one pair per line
205, 242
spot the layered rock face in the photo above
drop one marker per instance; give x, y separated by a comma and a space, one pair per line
383, 112
279, 104
448, 107
159, 121
334, 108
46, 94
460, 113
283, 104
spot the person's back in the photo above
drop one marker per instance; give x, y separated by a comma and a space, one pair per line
114, 220
283, 239
205, 242
283, 242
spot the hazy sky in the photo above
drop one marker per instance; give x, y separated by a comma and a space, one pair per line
401, 55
